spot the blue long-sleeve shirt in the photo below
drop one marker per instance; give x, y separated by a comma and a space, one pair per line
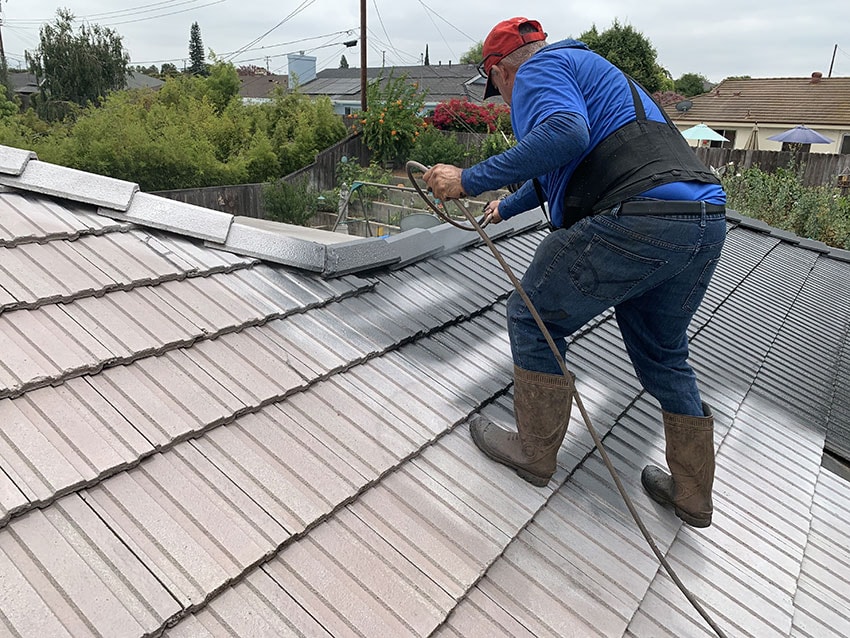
559, 139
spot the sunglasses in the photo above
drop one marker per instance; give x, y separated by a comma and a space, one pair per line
480, 66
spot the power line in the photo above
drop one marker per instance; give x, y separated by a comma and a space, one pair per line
263, 48
118, 13
304, 4
162, 15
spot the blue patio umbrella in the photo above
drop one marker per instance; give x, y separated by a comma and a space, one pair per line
800, 135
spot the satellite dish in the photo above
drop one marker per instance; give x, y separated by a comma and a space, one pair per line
684, 106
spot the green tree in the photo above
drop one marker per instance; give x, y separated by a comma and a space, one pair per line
222, 85
631, 52
393, 119
168, 69
79, 67
474, 55
197, 58
691, 84
343, 63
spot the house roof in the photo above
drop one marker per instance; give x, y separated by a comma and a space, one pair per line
214, 428
811, 101
439, 82
28, 83
261, 86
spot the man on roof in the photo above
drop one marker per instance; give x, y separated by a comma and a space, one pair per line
638, 224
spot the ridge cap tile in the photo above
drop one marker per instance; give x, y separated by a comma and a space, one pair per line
13, 161
71, 183
171, 215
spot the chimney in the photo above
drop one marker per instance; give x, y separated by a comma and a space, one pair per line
816, 76
301, 67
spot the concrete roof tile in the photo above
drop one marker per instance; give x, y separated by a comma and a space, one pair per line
440, 534
275, 460
132, 324
25, 218
478, 616
26, 364
35, 274
240, 375
60, 181
167, 397
823, 596
154, 211
256, 607
388, 597
14, 160
54, 552
177, 517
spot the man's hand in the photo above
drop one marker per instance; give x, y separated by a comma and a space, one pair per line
444, 181
491, 212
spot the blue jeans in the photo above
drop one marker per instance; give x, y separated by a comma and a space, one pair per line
653, 270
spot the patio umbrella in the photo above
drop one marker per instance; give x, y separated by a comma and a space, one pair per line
752, 143
801, 135
703, 132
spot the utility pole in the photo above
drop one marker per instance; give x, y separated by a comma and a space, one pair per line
2, 50
363, 83
829, 75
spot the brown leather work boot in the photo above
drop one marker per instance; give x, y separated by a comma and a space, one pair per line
690, 457
542, 405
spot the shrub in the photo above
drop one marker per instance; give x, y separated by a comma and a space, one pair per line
463, 115
393, 118
494, 144
781, 200
289, 203
348, 172
437, 147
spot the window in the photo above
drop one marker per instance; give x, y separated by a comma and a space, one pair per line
845, 144
729, 135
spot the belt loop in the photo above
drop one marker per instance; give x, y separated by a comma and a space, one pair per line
702, 214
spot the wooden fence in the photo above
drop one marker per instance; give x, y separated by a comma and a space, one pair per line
816, 169
246, 199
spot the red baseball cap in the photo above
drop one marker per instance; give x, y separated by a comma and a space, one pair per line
503, 40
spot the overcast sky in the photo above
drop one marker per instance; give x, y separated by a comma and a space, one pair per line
780, 38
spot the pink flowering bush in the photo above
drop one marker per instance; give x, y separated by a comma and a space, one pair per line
463, 115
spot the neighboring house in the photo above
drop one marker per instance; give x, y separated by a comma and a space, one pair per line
26, 84
256, 89
439, 83
738, 107
142, 81
216, 426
